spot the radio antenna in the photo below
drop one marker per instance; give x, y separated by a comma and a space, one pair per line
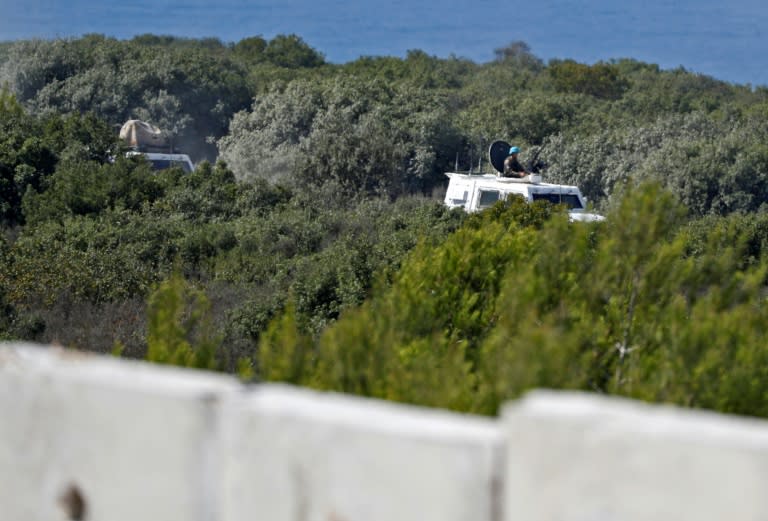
480, 159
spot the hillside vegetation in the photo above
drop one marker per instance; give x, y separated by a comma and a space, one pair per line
310, 244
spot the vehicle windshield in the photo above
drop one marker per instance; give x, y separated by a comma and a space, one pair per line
571, 200
162, 164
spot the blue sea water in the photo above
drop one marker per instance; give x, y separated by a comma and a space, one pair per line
726, 40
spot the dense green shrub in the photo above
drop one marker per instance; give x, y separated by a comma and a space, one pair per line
440, 308
115, 255
637, 306
180, 330
190, 91
25, 158
712, 165
365, 136
602, 80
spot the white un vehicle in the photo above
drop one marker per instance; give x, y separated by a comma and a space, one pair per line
160, 161
149, 142
474, 192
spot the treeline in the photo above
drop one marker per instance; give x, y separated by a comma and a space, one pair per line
310, 244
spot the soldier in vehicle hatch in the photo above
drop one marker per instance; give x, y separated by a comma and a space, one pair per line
512, 167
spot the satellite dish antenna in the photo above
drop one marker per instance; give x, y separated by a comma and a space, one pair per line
498, 153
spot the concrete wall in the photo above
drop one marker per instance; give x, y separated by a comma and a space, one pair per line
135, 441
578, 457
299, 455
145, 442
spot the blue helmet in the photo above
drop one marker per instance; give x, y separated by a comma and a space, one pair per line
514, 150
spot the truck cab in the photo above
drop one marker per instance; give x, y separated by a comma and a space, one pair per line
475, 192
149, 142
160, 161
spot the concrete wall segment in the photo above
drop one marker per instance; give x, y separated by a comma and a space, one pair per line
132, 438
575, 457
141, 441
305, 456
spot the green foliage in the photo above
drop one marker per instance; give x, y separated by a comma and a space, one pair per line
417, 69
209, 193
586, 299
84, 137
640, 305
439, 307
602, 80
114, 256
87, 187
7, 312
153, 40
365, 136
250, 49
285, 352
528, 118
326, 260
24, 159
519, 55
189, 89
180, 330
292, 52
712, 165
31, 148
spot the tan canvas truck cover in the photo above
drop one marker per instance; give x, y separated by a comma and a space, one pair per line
143, 136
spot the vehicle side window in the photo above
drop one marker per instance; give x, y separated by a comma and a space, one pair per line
458, 194
570, 200
160, 164
488, 197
